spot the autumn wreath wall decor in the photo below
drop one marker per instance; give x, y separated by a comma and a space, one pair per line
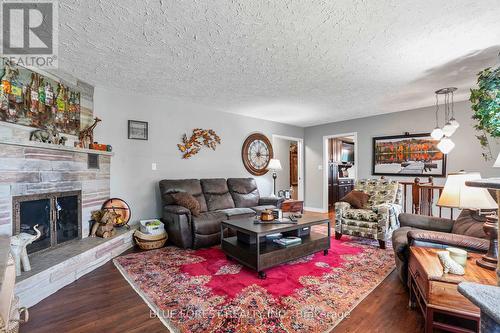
200, 138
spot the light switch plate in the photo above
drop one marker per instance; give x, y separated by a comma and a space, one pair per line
320, 167
153, 166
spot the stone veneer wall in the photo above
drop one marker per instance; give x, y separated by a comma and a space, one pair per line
33, 170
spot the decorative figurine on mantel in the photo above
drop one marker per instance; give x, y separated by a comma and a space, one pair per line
48, 135
86, 136
18, 245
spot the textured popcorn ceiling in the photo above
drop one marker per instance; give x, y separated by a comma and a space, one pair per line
294, 61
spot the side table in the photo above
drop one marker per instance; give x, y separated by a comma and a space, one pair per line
436, 293
292, 206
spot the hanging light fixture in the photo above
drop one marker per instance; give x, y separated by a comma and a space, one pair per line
437, 133
445, 145
451, 124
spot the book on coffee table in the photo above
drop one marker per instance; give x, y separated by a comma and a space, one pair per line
288, 241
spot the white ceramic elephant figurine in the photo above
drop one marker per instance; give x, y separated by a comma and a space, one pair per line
18, 245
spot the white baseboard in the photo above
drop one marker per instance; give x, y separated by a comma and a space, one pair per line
315, 210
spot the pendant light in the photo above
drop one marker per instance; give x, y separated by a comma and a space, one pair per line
437, 133
451, 124
445, 145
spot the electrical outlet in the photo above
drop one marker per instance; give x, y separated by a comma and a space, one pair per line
153, 166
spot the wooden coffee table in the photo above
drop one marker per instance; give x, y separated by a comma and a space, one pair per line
260, 255
436, 293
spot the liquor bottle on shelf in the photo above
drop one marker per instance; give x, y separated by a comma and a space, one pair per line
49, 94
27, 98
34, 93
60, 102
77, 104
6, 77
17, 90
41, 95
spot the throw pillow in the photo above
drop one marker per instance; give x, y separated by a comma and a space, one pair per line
187, 200
470, 224
356, 199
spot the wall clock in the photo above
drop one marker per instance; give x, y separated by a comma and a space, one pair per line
256, 153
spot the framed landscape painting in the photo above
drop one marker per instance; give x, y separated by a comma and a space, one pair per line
408, 155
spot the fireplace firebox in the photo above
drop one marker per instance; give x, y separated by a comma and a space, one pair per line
58, 216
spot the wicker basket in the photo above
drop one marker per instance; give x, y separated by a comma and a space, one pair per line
150, 242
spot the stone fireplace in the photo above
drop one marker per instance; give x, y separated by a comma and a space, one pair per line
57, 216
57, 188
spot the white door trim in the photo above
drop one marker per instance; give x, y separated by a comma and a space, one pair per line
300, 162
325, 162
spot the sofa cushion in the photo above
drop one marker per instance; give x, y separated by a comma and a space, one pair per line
357, 199
208, 223
191, 186
469, 225
259, 209
244, 192
359, 224
238, 213
217, 194
360, 214
186, 200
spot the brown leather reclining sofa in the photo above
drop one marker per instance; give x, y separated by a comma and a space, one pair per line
219, 199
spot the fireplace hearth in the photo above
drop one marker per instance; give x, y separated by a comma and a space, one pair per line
58, 216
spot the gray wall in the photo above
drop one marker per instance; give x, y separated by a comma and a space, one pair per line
466, 155
131, 176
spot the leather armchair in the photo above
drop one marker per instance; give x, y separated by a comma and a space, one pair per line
428, 231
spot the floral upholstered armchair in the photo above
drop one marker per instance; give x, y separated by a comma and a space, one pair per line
378, 219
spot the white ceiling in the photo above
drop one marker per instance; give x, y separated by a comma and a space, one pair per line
292, 61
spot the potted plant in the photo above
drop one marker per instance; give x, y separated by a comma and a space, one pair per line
486, 106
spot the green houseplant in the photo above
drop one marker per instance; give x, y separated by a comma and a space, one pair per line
486, 107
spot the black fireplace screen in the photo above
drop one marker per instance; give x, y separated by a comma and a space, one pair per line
58, 216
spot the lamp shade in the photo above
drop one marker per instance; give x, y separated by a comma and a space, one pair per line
457, 195
497, 163
274, 164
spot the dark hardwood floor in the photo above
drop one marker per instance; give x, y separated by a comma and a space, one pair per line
102, 301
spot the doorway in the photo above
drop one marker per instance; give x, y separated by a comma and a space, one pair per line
340, 156
289, 151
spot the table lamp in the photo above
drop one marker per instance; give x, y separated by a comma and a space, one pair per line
458, 195
274, 165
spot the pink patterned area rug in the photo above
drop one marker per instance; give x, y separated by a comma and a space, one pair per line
202, 291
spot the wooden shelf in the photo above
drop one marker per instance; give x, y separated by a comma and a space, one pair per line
34, 144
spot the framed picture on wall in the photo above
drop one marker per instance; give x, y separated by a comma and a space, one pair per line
408, 155
137, 130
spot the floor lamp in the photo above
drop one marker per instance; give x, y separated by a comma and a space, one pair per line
274, 165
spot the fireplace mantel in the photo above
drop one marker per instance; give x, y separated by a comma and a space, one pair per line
35, 144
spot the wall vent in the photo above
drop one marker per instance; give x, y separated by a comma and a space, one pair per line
93, 161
